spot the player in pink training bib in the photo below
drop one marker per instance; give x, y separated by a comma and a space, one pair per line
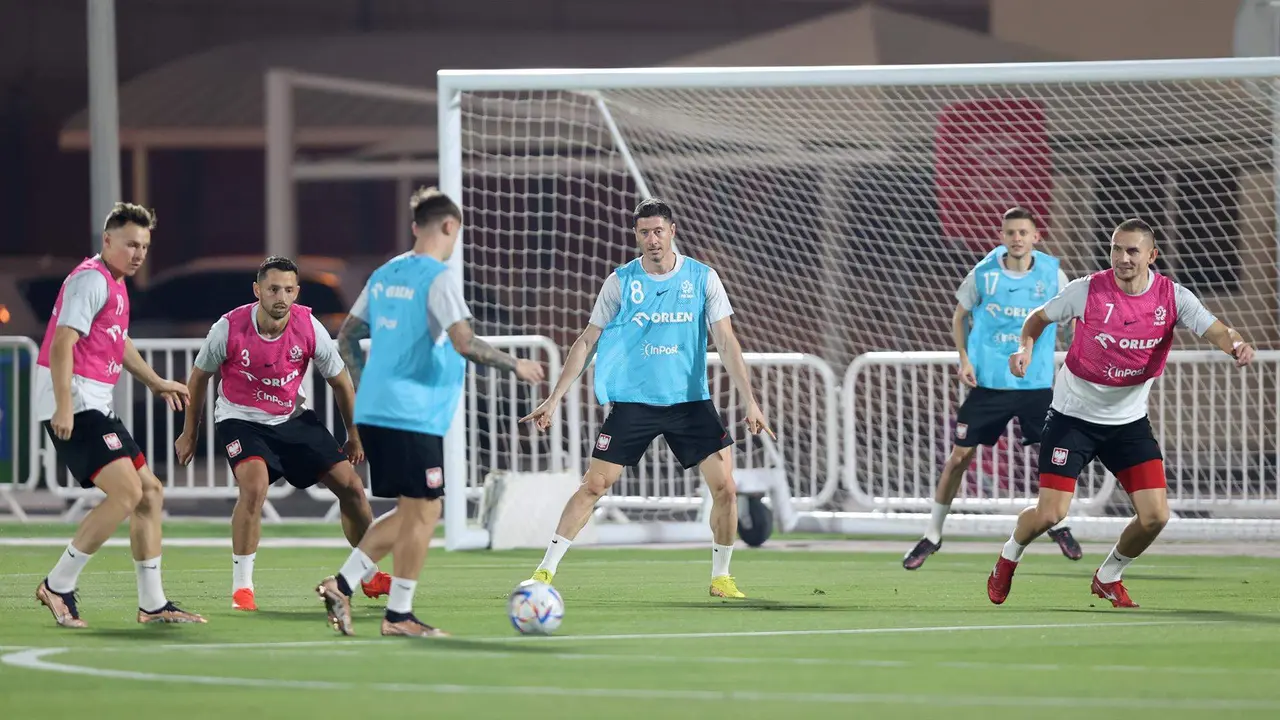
261, 352
86, 347
1125, 320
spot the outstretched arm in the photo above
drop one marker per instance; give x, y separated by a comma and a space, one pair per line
576, 361
1230, 342
739, 374
171, 391
482, 353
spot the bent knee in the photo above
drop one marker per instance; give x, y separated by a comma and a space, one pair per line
596, 483
1153, 521
345, 483
962, 456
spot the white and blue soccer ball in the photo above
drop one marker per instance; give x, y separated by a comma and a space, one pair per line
535, 608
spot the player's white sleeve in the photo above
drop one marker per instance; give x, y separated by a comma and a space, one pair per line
328, 362
83, 297
718, 307
608, 302
360, 309
1192, 314
1062, 279
967, 293
214, 350
1069, 302
445, 305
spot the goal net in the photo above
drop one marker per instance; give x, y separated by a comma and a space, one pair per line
842, 208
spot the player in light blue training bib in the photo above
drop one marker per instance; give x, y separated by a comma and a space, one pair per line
648, 331
420, 339
992, 303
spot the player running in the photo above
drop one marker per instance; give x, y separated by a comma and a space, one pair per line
1125, 320
651, 320
1012, 280
420, 339
86, 346
265, 431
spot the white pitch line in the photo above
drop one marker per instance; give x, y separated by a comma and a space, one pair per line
843, 631
35, 660
338, 643
739, 661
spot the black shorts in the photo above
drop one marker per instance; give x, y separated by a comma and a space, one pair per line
693, 431
1069, 444
301, 449
97, 440
403, 463
985, 413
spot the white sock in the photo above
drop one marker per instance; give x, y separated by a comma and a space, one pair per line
555, 552
401, 600
939, 516
64, 575
242, 571
1113, 566
720, 555
1012, 550
368, 575
150, 590
356, 568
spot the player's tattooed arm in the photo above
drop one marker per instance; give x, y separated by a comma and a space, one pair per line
482, 353
353, 330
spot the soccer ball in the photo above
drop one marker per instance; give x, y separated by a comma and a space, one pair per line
535, 608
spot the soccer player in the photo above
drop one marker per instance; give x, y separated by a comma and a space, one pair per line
651, 320
86, 346
996, 295
265, 431
1125, 320
420, 336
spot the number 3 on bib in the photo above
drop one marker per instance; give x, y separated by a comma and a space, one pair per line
637, 292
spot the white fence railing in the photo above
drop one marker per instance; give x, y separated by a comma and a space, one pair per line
799, 395
1216, 425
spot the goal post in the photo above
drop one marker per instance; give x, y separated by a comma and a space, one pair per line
843, 206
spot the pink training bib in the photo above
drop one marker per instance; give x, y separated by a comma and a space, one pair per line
99, 355
266, 374
1123, 339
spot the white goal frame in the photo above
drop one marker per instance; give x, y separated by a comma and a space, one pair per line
452, 83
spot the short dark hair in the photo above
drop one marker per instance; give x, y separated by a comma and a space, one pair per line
123, 213
1017, 212
1138, 226
652, 207
429, 204
276, 262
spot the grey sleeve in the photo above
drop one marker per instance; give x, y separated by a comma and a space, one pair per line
327, 360
718, 307
1192, 314
360, 309
967, 293
445, 304
1069, 302
608, 302
1063, 280
214, 350
83, 297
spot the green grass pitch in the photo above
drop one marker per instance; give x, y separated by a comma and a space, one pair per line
824, 635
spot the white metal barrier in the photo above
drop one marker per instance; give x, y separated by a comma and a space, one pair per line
799, 395
20, 434
494, 403
1216, 424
